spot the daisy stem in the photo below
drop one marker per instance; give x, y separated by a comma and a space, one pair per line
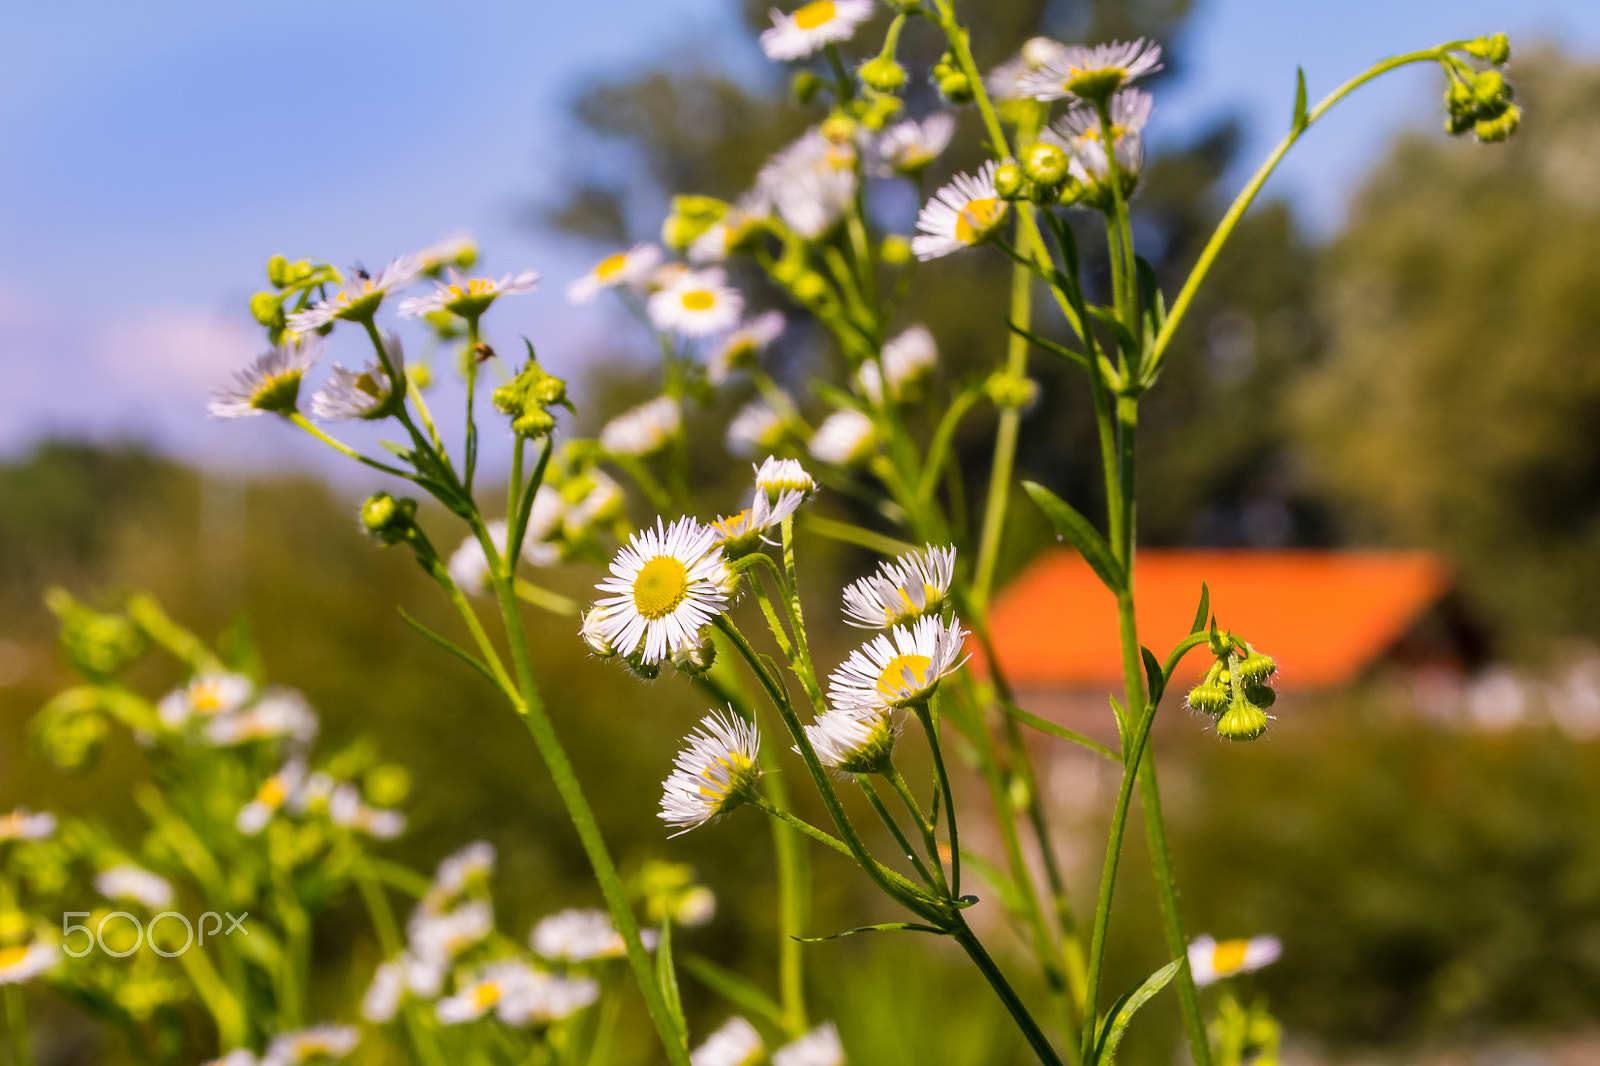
344, 449
760, 801
929, 841
808, 671
1005, 441
963, 935
846, 85
426, 415
1119, 233
470, 465
928, 714
388, 931
17, 1026
934, 880
553, 602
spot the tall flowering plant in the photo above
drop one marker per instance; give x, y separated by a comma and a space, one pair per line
1063, 125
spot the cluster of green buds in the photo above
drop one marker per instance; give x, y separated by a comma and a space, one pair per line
528, 397
1241, 1034
1237, 690
690, 217
97, 644
392, 520
290, 282
1042, 175
953, 83
1480, 101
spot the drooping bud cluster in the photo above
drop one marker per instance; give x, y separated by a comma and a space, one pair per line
1480, 101
528, 397
288, 280
1237, 690
953, 84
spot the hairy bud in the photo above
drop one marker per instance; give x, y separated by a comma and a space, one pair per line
883, 74
1009, 181
1045, 163
389, 519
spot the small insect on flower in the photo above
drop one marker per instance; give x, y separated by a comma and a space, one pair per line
23, 824
1079, 132
908, 147
777, 476
849, 743
1212, 960
740, 348
898, 668
965, 212
204, 696
907, 357
271, 383
713, 774
467, 297
367, 394
644, 430
577, 935
756, 428
278, 713
318, 1043
1005, 81
845, 437
666, 584
618, 270
21, 963
744, 532
819, 1047
736, 1044
1092, 73
269, 799
696, 304
347, 810
358, 298
811, 26
129, 881
901, 591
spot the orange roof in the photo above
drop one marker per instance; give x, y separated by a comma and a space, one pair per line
1323, 615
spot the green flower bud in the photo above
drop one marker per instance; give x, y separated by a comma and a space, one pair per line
278, 271
883, 74
810, 287
267, 309
528, 397
1009, 181
1499, 128
696, 661
1208, 697
805, 86
956, 88
895, 250
1262, 696
1010, 390
1496, 49
1242, 721
840, 129
1045, 163
70, 741
387, 785
642, 670
1488, 88
97, 644
1255, 668
389, 520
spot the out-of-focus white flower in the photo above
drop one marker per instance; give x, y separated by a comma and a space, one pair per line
274, 792
438, 938
775, 477
239, 1056
204, 696
1211, 960
1078, 131
869, 379
21, 963
541, 998
849, 743
901, 591
629, 268
898, 668
467, 297
908, 356
460, 873
129, 881
696, 304
644, 430
963, 213
381, 1001
755, 429
317, 1043
713, 773
1092, 73
469, 566
358, 298
1005, 81
666, 584
278, 713
697, 906
578, 935
741, 222
603, 502
23, 824
347, 810
458, 251
845, 437
736, 1044
369, 393
819, 1047
740, 348
270, 383
812, 25
810, 184
908, 147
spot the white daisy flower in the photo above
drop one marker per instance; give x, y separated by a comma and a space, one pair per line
271, 383
313, 796
901, 591
1079, 132
269, 799
381, 1001
695, 907
469, 566
1092, 73
810, 184
540, 998
577, 935
696, 304
963, 213
775, 477
368, 393
205, 696
484, 991
741, 222
756, 428
845, 437
347, 810
129, 881
629, 268
358, 298
464, 871
278, 713
908, 147
1005, 81
849, 743
819, 1047
23, 962
23, 824
908, 356
742, 533
666, 585
869, 382
436, 939
811, 26
318, 1043
458, 251
898, 668
736, 1044
713, 774
739, 349
467, 297
593, 633
239, 1056
644, 430
1212, 960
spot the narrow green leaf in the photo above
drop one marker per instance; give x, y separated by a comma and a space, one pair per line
1050, 346
885, 927
450, 646
1300, 117
1044, 725
1122, 724
1155, 305
399, 451
1122, 1012
1153, 675
667, 978
1203, 611
1108, 318
1075, 529
732, 987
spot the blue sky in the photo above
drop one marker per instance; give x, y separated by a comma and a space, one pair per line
157, 153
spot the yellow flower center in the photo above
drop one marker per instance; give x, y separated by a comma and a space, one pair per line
978, 218
737, 766
369, 385
486, 995
699, 300
475, 287
206, 697
662, 584
735, 525
930, 595
272, 793
610, 265
817, 13
11, 956
1229, 955
893, 683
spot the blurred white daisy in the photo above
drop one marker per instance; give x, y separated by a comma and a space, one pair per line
810, 184
666, 584
1005, 81
713, 774
318, 1043
741, 533
358, 298
347, 810
127, 880
696, 304
1092, 73
738, 225
1211, 960
908, 147
898, 668
736, 1044
467, 297
577, 935
204, 696
278, 713
849, 743
23, 824
629, 268
869, 381
604, 502
462, 872
819, 1047
697, 906
963, 213
437, 939
775, 477
269, 799
644, 430
239, 1056
540, 998
369, 393
459, 251
907, 357
812, 25
845, 437
487, 989
270, 383
21, 963
901, 591
381, 1001
1078, 131
739, 349
756, 428
469, 566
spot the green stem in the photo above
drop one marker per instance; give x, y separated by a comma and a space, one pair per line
762, 803
17, 1026
342, 448
1005, 443
927, 714
1030, 1029
553, 602
929, 877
